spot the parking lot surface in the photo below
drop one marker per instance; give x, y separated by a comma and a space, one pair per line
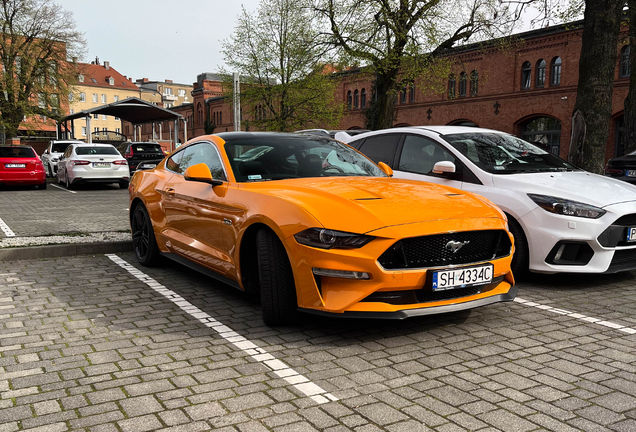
54, 211
98, 343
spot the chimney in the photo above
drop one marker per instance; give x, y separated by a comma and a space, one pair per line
107, 65
97, 60
144, 80
168, 81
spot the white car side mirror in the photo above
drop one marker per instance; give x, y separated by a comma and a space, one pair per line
342, 136
442, 167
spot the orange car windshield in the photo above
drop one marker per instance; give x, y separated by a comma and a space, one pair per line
281, 157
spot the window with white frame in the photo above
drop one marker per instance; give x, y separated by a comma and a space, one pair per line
181, 92
111, 81
41, 100
96, 116
116, 98
116, 118
105, 129
95, 97
117, 130
70, 97
83, 130
104, 117
103, 98
82, 97
80, 78
167, 90
71, 111
96, 129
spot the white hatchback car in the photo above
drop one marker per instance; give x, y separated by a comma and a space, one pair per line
92, 163
563, 219
52, 154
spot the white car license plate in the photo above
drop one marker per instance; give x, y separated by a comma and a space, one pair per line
15, 165
462, 277
101, 164
631, 173
631, 234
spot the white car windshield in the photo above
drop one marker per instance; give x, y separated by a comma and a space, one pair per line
282, 157
505, 154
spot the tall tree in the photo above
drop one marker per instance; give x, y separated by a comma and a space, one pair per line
629, 137
281, 62
597, 64
36, 36
398, 39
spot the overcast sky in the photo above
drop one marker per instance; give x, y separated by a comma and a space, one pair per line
157, 39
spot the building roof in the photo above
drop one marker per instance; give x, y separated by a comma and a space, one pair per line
132, 109
98, 75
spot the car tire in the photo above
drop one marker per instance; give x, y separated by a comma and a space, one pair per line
521, 258
49, 170
143, 237
42, 186
278, 290
123, 184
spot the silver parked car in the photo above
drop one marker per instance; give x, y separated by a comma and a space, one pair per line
92, 163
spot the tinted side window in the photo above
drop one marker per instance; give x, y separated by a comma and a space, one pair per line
420, 154
381, 148
173, 162
68, 152
203, 153
356, 144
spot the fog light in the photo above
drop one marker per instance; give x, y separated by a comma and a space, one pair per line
340, 273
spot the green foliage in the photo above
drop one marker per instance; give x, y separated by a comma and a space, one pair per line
35, 40
208, 127
280, 59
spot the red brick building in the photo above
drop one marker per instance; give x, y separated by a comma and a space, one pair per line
528, 90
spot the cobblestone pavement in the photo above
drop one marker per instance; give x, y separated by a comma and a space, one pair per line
90, 344
54, 211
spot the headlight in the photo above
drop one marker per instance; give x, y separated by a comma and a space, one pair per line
327, 239
566, 207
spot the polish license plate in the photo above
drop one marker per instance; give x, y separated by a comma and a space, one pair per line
631, 234
101, 164
15, 165
631, 173
462, 277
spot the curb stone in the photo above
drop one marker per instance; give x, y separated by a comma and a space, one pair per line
55, 251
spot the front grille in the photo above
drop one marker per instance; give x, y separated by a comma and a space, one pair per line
624, 259
616, 234
436, 251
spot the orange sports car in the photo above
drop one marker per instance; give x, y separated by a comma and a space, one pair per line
310, 224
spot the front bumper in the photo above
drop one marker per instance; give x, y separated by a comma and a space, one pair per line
334, 295
545, 230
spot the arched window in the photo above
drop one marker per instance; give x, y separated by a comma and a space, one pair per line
474, 83
220, 117
355, 99
625, 62
543, 130
462, 84
200, 112
412, 93
540, 73
526, 75
349, 99
555, 71
451, 86
403, 96
363, 98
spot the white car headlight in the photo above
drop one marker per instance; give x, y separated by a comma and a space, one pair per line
567, 207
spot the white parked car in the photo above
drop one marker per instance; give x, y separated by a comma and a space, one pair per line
563, 219
52, 154
92, 163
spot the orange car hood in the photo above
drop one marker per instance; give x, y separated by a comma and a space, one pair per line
364, 204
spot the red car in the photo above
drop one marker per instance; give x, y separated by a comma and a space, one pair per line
20, 165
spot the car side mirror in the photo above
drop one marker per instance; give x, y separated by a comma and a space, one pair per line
444, 167
61, 157
387, 169
45, 152
200, 173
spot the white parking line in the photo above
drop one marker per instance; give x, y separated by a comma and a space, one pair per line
298, 381
579, 316
61, 188
5, 229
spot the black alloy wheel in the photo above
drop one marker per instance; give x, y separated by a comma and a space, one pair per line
143, 237
521, 259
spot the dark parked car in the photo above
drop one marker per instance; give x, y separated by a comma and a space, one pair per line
622, 168
141, 152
